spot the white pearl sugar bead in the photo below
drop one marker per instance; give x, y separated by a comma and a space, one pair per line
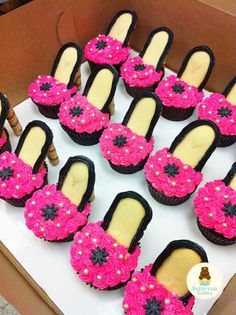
126, 306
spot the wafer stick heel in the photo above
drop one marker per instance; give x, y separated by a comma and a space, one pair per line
14, 122
78, 79
52, 155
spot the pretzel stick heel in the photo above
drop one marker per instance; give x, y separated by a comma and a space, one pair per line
112, 107
14, 122
52, 155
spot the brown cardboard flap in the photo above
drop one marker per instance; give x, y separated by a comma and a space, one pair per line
66, 26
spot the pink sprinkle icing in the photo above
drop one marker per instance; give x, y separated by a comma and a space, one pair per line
118, 264
64, 220
144, 77
20, 180
106, 49
80, 115
215, 207
220, 111
46, 90
177, 93
144, 288
170, 175
135, 149
3, 140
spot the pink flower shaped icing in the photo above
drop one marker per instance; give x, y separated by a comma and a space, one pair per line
80, 115
215, 207
144, 292
121, 146
220, 111
52, 216
106, 49
137, 73
175, 92
16, 177
99, 260
170, 175
3, 140
46, 90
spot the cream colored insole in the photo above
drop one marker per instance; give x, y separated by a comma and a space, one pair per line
32, 146
142, 115
156, 48
233, 182
120, 28
196, 68
173, 272
231, 97
76, 182
194, 145
66, 65
100, 88
126, 220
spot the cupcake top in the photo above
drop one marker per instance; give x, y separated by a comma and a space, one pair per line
137, 73
215, 207
17, 178
46, 90
145, 295
99, 259
3, 140
81, 116
52, 216
170, 175
220, 111
121, 146
106, 49
175, 92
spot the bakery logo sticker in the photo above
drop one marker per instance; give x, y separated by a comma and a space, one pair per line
205, 281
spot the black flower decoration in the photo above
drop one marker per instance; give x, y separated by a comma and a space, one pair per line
178, 88
99, 256
224, 112
101, 45
120, 141
49, 212
171, 170
139, 67
153, 307
45, 87
6, 173
76, 111
229, 209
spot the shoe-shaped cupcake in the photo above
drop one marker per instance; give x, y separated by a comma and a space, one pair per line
23, 172
174, 173
56, 212
105, 254
7, 112
221, 109
161, 288
84, 117
181, 93
143, 72
49, 91
112, 48
215, 209
127, 145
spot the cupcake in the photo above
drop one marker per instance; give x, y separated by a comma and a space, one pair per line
215, 208
181, 93
143, 72
221, 109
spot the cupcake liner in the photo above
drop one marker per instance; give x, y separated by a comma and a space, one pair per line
176, 114
137, 90
83, 138
49, 111
226, 140
129, 169
116, 287
215, 237
168, 201
93, 65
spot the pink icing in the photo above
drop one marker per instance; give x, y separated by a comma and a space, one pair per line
133, 152
22, 181
112, 53
135, 298
209, 108
67, 220
3, 140
183, 183
210, 201
57, 92
118, 267
141, 78
89, 119
189, 97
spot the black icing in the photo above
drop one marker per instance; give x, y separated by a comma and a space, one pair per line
120, 141
76, 111
139, 67
45, 87
49, 212
229, 209
6, 173
153, 307
224, 112
99, 256
171, 170
178, 88
101, 45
